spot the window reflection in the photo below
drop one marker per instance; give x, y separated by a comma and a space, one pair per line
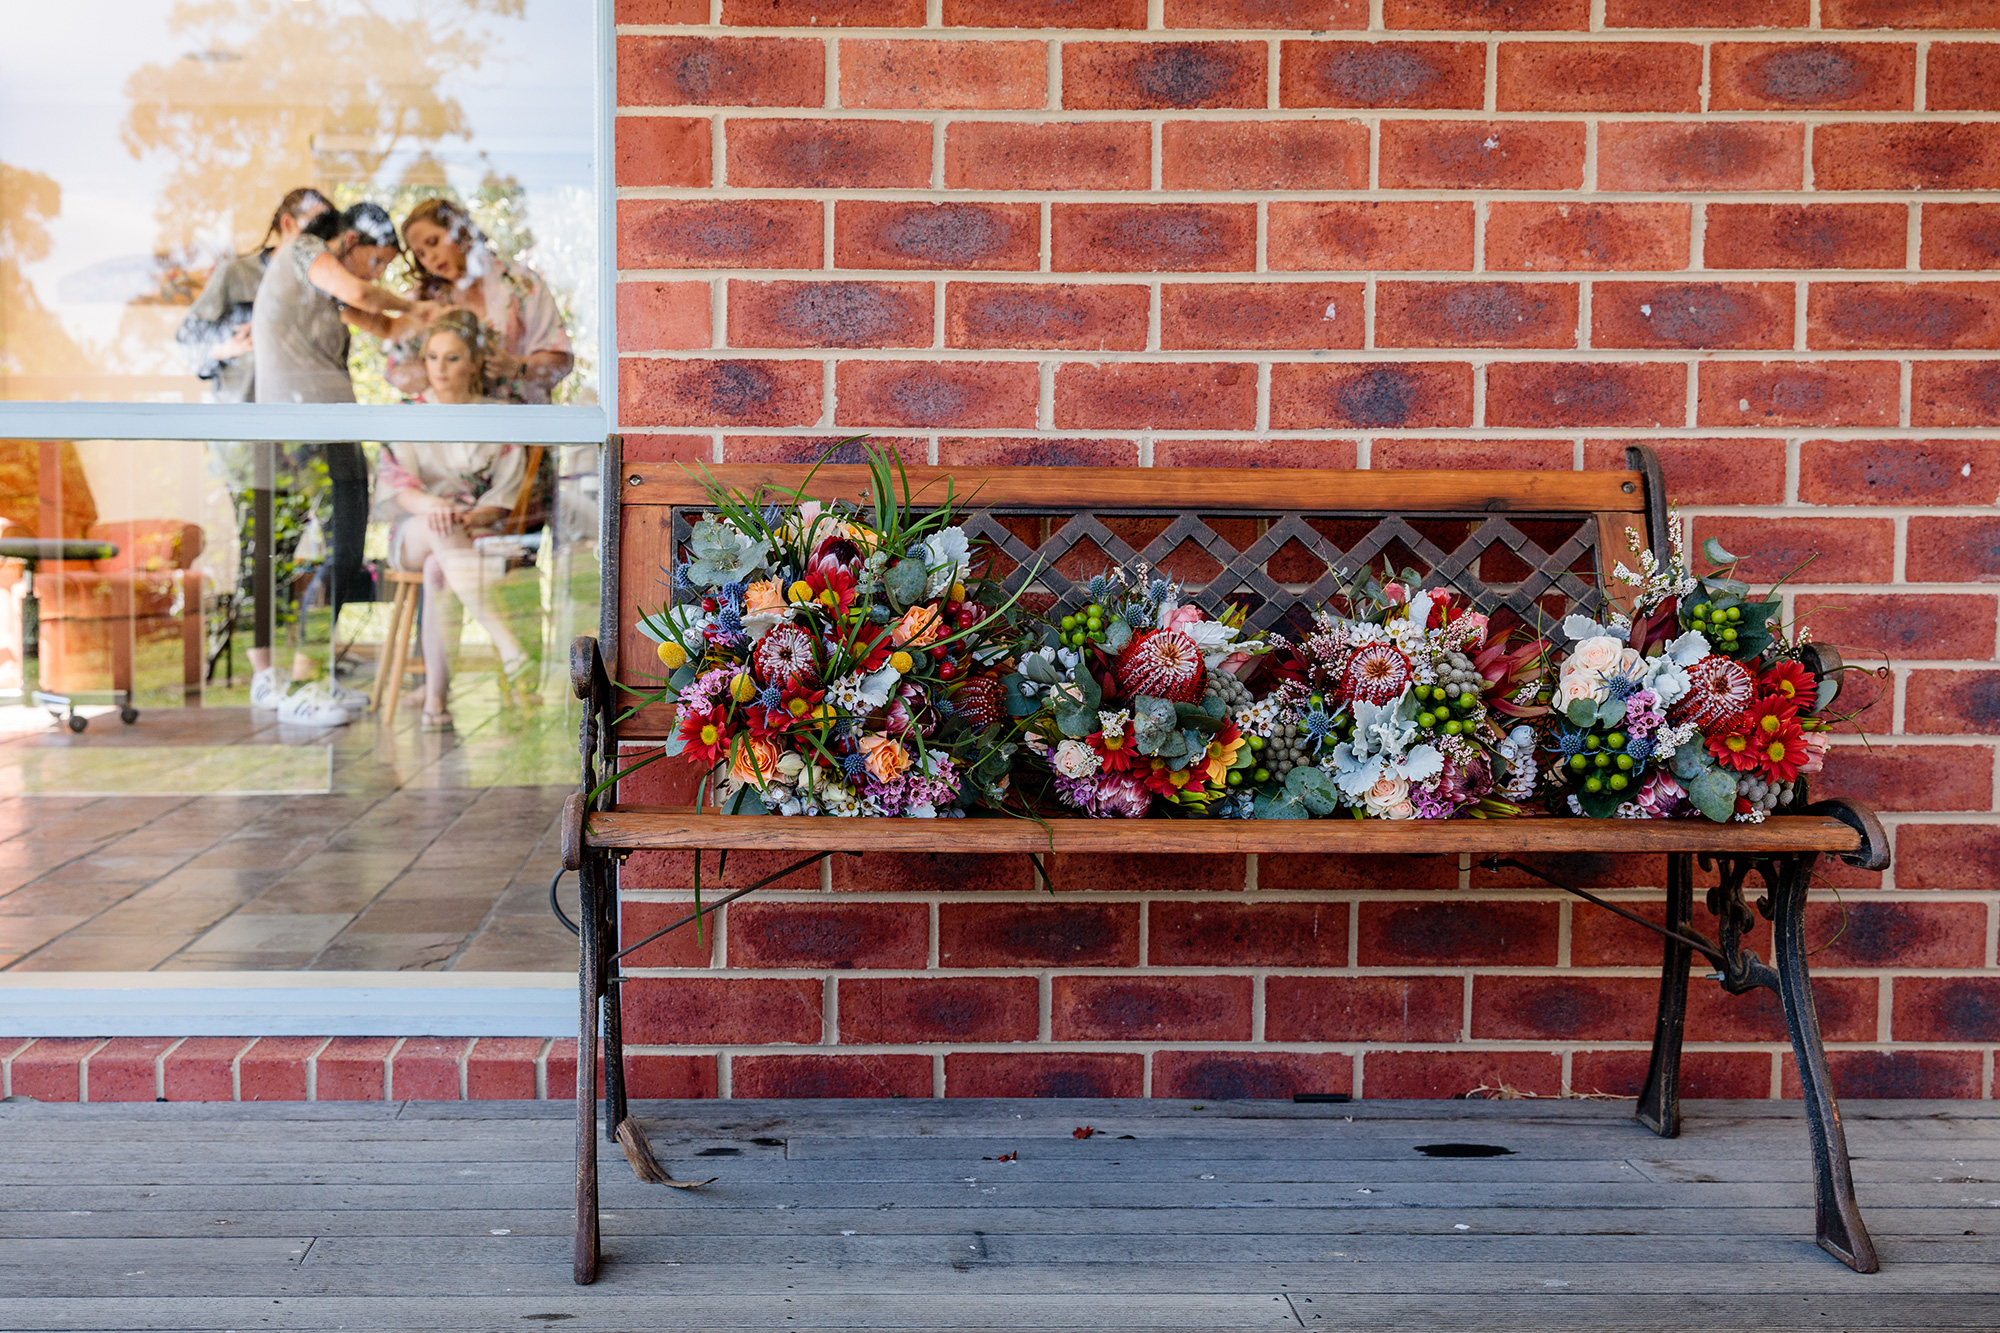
404, 157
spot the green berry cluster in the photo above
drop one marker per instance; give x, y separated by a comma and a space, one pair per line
1718, 623
1603, 764
1452, 705
1085, 627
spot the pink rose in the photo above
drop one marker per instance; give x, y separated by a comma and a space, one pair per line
1600, 654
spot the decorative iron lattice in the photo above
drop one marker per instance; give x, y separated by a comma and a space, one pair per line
1244, 576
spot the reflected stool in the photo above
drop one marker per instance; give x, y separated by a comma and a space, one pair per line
395, 660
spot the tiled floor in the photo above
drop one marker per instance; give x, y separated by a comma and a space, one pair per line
234, 843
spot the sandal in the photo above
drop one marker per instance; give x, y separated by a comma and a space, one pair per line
438, 721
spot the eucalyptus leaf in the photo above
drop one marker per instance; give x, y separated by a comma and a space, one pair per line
1690, 761
1829, 687
675, 744
746, 801
1714, 794
1581, 713
1313, 789
1599, 804
1172, 746
1076, 723
904, 581
1039, 669
1116, 635
1611, 712
1277, 803
1194, 719
1711, 551
682, 677
1019, 702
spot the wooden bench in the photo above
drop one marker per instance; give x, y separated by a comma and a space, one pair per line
1270, 540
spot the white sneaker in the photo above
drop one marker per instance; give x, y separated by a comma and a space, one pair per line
312, 706
267, 689
354, 701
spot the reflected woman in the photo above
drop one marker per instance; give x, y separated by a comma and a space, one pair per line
438, 497
216, 332
455, 265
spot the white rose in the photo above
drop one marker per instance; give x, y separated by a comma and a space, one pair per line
1385, 796
1582, 685
1074, 759
1599, 654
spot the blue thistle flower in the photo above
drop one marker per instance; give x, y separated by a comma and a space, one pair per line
772, 697
1620, 686
1138, 616
854, 766
1100, 587
733, 592
1317, 725
1640, 748
681, 581
1157, 590
1569, 741
944, 706
730, 619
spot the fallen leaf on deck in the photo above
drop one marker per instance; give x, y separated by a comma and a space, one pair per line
1082, 1132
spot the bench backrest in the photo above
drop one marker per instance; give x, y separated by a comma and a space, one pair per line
1277, 541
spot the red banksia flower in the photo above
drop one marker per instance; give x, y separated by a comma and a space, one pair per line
1721, 689
1376, 674
1165, 664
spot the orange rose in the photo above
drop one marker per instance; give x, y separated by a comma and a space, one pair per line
887, 760
764, 598
754, 763
920, 625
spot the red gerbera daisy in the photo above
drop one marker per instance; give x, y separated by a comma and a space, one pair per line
1777, 744
706, 735
1114, 750
1789, 681
1731, 744
1720, 689
1376, 674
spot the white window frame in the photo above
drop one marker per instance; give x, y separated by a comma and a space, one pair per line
308, 423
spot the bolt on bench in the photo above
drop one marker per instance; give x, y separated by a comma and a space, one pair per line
1270, 540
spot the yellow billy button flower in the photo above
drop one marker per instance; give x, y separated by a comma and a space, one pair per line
958, 592
672, 655
742, 689
800, 591
902, 661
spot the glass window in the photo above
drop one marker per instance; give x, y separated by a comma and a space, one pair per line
232, 201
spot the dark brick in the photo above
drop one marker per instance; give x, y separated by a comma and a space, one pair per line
1476, 314
829, 314
1151, 1008
1153, 237
1043, 1074
1725, 155
1371, 396
1236, 934
830, 1076
1480, 155
1805, 235
926, 236
1850, 316
1946, 1009
1899, 472
1785, 76
1557, 237
1955, 393
721, 71
1458, 934
1460, 1073
1366, 234
718, 393
1092, 317
1137, 395
1487, 15
1038, 934
918, 394
1563, 1008
1953, 703
1101, 76
1371, 1009
1798, 393
1954, 550
1543, 394
1225, 1076
1937, 626
836, 935
1428, 75
1929, 156
703, 233
1261, 315
933, 1009
1926, 1074
1691, 314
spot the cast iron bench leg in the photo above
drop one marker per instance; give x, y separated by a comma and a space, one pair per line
1660, 1100
590, 995
1841, 1230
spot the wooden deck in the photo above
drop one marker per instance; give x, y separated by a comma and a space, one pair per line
913, 1215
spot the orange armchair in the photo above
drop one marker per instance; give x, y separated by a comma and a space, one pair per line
94, 614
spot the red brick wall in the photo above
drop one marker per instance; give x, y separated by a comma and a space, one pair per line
1423, 233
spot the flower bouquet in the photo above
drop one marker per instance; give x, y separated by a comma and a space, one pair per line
1133, 702
1695, 705
834, 659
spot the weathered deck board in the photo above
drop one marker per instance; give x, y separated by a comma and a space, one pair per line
883, 1216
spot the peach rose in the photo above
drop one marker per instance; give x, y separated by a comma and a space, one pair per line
1580, 685
764, 597
887, 760
1599, 654
1385, 796
754, 763
920, 625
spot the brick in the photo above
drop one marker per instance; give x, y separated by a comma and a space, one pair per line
1906, 157
276, 1069
1374, 395
1227, 1076
1273, 155
1798, 393
1236, 934
1896, 1074
663, 316
1084, 872
1841, 550
1366, 235
1261, 315
925, 236
559, 1069
1532, 455
1852, 316
1457, 934
202, 1069
1475, 314
659, 11
933, 872
1827, 76
1508, 1008
1953, 703
1899, 472
940, 1009
675, 871
1903, 777
1372, 1009
1254, 453
1136, 395
1580, 237
503, 1069
1045, 13
126, 1069
1940, 627
1151, 1008
1960, 236
935, 393
1846, 1008
1704, 1074
688, 946
985, 76
1861, 933
830, 1076
731, 233
816, 13
426, 1068
1097, 317
1955, 393
836, 935
718, 393
1476, 155
1459, 1073
829, 314
1328, 15
1153, 238
1043, 1074
353, 1069
1805, 236
1707, 471
1073, 934
1728, 155
1900, 14
1707, 13
1946, 1009
721, 71
671, 1076
1954, 550
1691, 315
829, 154
1063, 155
1543, 394
1959, 76
1432, 76
1598, 76
661, 150
1947, 856
1601, 939
693, 1011
1487, 15
1038, 451
1152, 76
51, 1070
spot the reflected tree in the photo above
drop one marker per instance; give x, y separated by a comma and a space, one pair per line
32, 339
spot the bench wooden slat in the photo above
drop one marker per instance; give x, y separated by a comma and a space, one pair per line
638, 827
1332, 489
